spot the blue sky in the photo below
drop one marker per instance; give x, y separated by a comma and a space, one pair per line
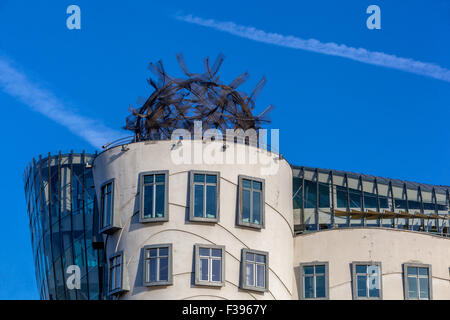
332, 112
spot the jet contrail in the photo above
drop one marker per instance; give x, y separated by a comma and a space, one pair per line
16, 84
329, 48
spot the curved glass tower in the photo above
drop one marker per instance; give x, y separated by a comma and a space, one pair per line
63, 217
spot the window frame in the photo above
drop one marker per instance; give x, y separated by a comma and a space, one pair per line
123, 285
142, 219
210, 283
243, 271
192, 217
327, 283
169, 280
240, 221
114, 226
355, 283
405, 280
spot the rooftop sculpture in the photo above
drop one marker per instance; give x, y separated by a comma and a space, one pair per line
176, 103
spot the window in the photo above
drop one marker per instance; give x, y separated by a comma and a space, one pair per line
254, 270
154, 196
417, 281
209, 265
251, 204
204, 196
107, 221
116, 274
158, 264
366, 280
314, 280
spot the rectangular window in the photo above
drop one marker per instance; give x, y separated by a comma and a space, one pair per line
116, 272
204, 196
251, 204
209, 265
366, 280
314, 280
417, 281
158, 265
254, 270
154, 196
107, 223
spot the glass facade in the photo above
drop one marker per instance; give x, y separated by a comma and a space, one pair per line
324, 199
63, 216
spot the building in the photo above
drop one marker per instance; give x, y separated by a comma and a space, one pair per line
219, 231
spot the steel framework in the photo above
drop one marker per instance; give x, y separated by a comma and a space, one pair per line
176, 103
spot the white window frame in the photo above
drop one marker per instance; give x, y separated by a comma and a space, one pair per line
209, 282
244, 263
143, 219
192, 217
405, 281
158, 282
240, 204
355, 280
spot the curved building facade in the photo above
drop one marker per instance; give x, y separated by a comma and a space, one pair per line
63, 216
176, 225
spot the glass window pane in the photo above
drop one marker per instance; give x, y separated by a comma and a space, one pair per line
199, 177
310, 194
355, 198
341, 193
249, 274
204, 251
308, 287
324, 195
211, 197
163, 269
260, 258
160, 201
320, 268
211, 178
153, 252
216, 252
108, 209
245, 205
148, 179
256, 207
361, 283
160, 178
250, 256
260, 274
320, 286
246, 183
412, 271
164, 251
423, 271
204, 269
361, 268
412, 288
148, 201
216, 270
257, 185
308, 270
423, 283
152, 269
198, 200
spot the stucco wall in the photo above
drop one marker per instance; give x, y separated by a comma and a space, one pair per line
276, 237
340, 247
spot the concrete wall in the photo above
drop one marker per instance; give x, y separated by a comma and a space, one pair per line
391, 247
276, 237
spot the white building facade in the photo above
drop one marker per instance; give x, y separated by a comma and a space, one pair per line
219, 230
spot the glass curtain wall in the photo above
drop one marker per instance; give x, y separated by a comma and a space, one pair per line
62, 210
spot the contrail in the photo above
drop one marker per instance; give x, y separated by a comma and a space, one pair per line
329, 48
16, 84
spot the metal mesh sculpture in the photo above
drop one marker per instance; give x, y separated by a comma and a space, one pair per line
176, 103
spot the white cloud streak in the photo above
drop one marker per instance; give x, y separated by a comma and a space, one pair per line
16, 84
329, 48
